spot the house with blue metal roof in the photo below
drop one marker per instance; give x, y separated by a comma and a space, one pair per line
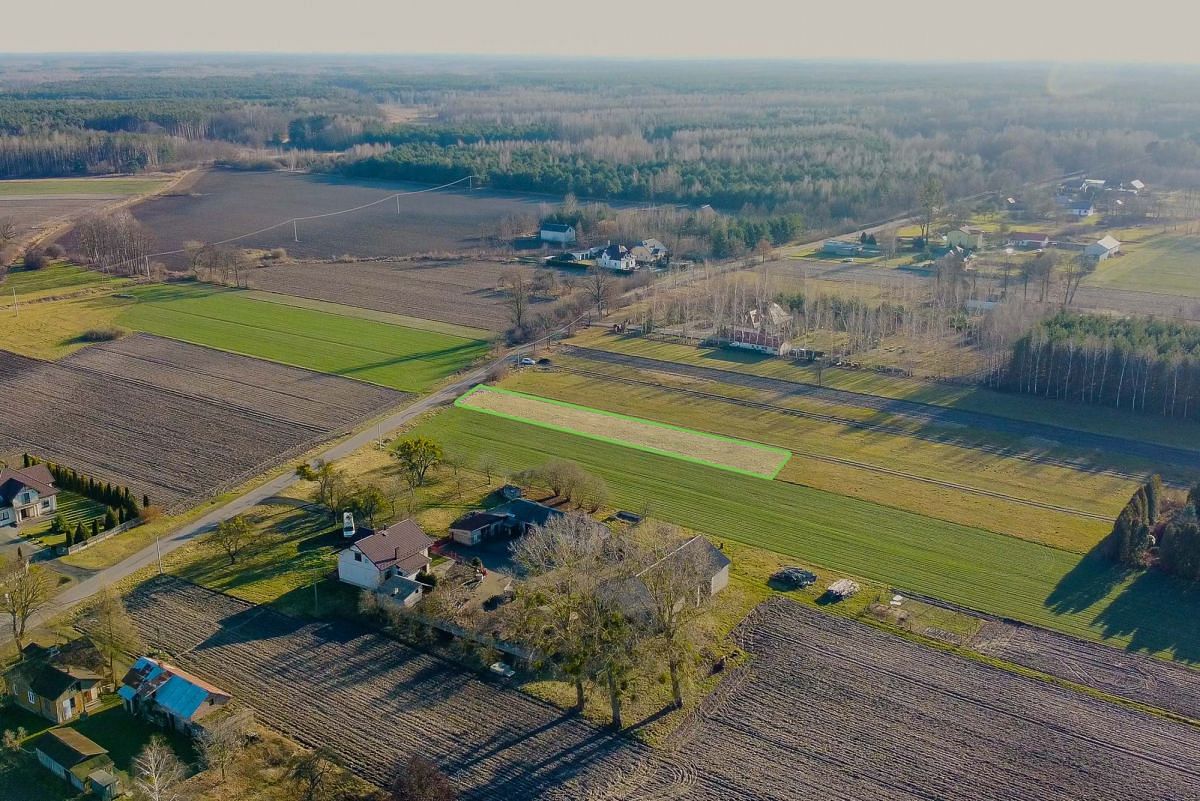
160, 691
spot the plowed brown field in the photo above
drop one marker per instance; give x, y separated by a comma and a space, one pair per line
170, 419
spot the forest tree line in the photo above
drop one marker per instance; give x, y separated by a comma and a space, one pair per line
1134, 364
831, 144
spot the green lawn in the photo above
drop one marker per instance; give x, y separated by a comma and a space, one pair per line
978, 569
22, 778
293, 548
1168, 264
57, 278
394, 356
837, 458
75, 508
80, 186
970, 398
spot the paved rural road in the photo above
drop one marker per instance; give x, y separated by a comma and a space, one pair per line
180, 536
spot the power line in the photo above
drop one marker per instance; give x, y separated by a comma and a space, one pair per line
293, 221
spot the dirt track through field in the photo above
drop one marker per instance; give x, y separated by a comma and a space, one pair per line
921, 413
376, 702
173, 420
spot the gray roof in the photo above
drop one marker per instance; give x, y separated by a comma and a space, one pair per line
523, 510
558, 228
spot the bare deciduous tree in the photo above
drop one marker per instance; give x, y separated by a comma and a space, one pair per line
25, 589
677, 588
318, 776
563, 560
158, 775
517, 294
422, 781
599, 286
111, 630
221, 743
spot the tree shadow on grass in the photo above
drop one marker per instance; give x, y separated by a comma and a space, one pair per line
1155, 612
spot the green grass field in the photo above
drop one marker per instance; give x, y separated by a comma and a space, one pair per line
80, 186
970, 398
975, 568
343, 310
293, 548
819, 445
1167, 264
403, 358
57, 279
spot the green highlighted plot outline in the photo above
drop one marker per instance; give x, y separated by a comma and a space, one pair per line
784, 454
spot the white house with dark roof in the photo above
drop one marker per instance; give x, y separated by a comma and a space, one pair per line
387, 562
26, 494
617, 257
557, 232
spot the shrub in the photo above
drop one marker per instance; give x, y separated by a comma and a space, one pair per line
278, 254
35, 259
101, 334
54, 251
150, 514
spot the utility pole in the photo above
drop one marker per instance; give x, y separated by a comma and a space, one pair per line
158, 551
316, 606
295, 232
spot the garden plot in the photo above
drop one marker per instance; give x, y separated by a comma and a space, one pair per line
172, 420
726, 453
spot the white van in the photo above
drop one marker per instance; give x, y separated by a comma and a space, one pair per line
347, 524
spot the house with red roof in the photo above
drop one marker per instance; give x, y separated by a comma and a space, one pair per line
387, 562
26, 494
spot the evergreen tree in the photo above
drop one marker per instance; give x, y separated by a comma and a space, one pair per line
110, 519
80, 534
95, 526
145, 501
69, 539
26, 461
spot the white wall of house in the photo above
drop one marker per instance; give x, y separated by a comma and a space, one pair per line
562, 237
626, 263
28, 505
721, 580
356, 569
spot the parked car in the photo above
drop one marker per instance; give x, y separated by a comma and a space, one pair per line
527, 362
501, 669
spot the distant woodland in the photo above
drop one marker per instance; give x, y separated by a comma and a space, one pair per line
830, 143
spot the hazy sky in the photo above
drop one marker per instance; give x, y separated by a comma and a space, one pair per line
923, 30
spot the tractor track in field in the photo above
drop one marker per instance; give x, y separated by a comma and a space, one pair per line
851, 462
916, 412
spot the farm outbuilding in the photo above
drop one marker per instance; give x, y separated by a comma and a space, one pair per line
558, 233
84, 764
177, 698
759, 341
1103, 248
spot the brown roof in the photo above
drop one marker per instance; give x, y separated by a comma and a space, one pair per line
399, 544
37, 477
68, 747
